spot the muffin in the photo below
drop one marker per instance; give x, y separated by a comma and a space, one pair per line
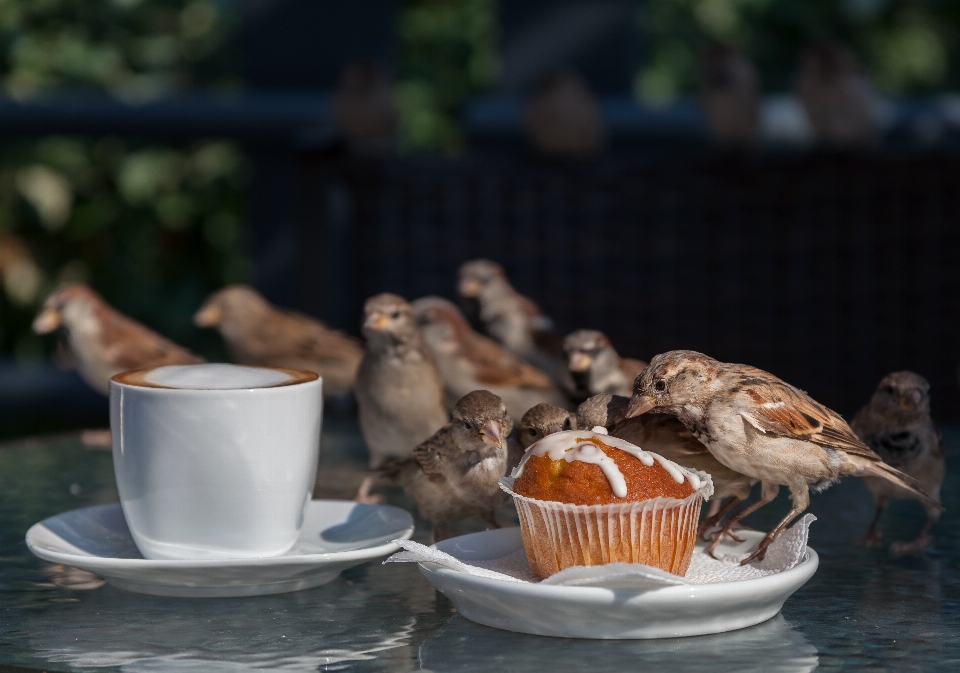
585, 498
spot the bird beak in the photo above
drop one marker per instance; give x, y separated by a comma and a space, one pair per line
208, 316
639, 404
492, 434
48, 320
580, 362
376, 321
469, 287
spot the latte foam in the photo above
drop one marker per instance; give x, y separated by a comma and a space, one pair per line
214, 376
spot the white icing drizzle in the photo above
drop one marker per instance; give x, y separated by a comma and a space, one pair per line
573, 445
600, 430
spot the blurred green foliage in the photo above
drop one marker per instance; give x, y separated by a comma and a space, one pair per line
908, 46
447, 52
153, 227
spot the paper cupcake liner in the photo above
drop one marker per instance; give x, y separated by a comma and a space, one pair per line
659, 532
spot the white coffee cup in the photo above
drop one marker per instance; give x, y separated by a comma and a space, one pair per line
215, 461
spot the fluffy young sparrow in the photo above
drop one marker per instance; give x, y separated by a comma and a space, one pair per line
761, 427
99, 340
896, 424
510, 318
539, 421
471, 361
563, 118
670, 438
454, 473
399, 389
730, 95
837, 95
258, 333
596, 368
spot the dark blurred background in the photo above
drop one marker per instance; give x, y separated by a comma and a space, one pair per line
158, 149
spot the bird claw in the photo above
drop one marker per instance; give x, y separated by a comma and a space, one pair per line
757, 555
917, 546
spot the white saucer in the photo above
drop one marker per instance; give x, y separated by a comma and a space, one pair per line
592, 612
336, 534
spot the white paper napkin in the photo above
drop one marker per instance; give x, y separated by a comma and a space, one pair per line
787, 551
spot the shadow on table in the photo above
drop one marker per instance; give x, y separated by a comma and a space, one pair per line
771, 647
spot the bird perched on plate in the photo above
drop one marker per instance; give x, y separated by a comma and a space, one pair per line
470, 361
539, 421
838, 96
670, 438
99, 340
762, 427
258, 333
399, 388
730, 94
896, 423
454, 473
562, 117
365, 109
595, 367
510, 318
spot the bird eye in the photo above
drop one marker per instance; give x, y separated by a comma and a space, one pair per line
395, 314
660, 385
890, 390
532, 432
566, 423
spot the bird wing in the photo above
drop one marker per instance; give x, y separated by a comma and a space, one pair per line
494, 366
632, 368
130, 345
780, 409
430, 453
291, 334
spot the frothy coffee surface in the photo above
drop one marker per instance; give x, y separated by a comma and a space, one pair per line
214, 377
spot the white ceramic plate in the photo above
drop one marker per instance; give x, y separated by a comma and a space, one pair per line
591, 612
336, 534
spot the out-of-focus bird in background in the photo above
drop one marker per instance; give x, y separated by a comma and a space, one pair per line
762, 427
511, 318
365, 109
454, 473
259, 333
671, 439
100, 341
470, 361
399, 388
595, 367
896, 423
563, 118
539, 421
730, 95
838, 96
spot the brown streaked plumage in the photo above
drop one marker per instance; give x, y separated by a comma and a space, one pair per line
896, 423
471, 361
511, 318
100, 341
670, 438
539, 421
259, 333
762, 427
454, 473
595, 367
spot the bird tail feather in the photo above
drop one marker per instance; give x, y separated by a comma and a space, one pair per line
905, 481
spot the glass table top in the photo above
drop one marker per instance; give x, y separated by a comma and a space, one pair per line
864, 610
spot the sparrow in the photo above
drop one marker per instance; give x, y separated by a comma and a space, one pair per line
838, 96
399, 388
470, 361
596, 368
510, 318
761, 427
730, 95
538, 422
670, 438
455, 473
259, 333
365, 109
563, 118
896, 424
99, 340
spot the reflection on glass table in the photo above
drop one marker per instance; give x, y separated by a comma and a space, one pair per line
863, 610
